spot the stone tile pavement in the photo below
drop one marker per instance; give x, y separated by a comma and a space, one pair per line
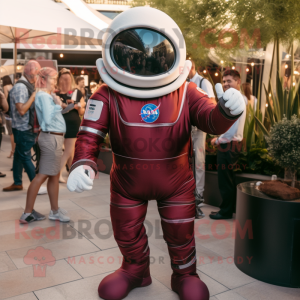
81, 253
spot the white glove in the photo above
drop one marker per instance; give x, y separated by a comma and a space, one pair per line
81, 179
233, 98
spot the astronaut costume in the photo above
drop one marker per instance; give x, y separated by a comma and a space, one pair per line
147, 107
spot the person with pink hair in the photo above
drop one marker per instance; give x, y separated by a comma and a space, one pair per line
51, 139
73, 97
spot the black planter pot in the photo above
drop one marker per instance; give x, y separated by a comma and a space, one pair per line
270, 237
212, 194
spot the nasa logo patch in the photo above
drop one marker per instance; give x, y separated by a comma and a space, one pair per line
150, 113
201, 91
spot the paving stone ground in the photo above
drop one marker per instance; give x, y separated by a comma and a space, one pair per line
81, 253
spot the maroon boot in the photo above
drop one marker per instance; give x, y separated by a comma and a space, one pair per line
117, 285
187, 284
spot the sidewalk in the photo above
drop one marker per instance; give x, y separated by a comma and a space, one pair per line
78, 255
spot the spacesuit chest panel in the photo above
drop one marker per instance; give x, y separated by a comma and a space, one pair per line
158, 112
137, 131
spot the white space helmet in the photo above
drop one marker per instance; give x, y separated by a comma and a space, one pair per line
143, 54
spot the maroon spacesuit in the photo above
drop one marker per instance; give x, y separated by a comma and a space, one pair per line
150, 162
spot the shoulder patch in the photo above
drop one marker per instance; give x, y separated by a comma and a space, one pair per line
93, 110
201, 91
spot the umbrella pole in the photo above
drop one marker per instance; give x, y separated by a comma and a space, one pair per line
0, 64
15, 59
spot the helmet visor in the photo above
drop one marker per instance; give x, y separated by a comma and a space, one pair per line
143, 52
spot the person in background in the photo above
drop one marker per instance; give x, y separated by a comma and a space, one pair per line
22, 113
3, 109
199, 139
50, 140
18, 76
93, 86
7, 86
81, 86
229, 148
247, 92
69, 95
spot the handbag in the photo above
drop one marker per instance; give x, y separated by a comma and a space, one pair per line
2, 118
36, 156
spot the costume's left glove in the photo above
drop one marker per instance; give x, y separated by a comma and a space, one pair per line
81, 179
232, 101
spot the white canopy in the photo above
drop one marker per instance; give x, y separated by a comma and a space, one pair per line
43, 24
39, 22
86, 13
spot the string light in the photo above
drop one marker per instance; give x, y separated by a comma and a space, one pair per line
247, 70
267, 105
286, 66
287, 56
294, 83
216, 74
222, 62
270, 95
204, 71
61, 55
233, 68
82, 72
252, 64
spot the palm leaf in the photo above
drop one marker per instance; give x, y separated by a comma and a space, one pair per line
285, 104
279, 89
279, 103
295, 108
277, 110
261, 126
297, 88
270, 109
250, 135
290, 104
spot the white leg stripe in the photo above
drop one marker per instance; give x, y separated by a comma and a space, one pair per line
179, 221
177, 205
188, 264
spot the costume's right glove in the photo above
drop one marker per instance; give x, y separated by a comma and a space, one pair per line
232, 101
81, 179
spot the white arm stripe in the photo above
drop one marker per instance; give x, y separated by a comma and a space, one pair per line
92, 130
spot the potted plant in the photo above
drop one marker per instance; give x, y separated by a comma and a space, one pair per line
284, 144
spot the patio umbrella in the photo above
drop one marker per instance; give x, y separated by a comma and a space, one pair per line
36, 23
86, 13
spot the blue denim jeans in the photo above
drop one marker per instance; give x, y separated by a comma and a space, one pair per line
22, 158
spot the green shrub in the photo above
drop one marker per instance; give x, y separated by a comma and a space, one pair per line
284, 142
